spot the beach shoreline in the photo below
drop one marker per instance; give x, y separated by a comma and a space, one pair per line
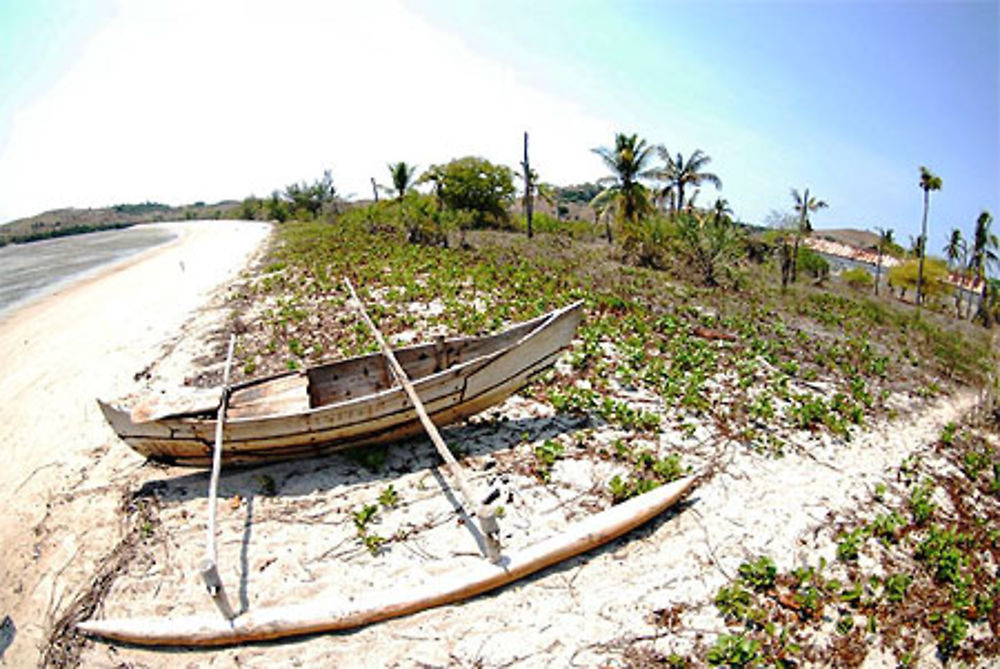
60, 352
73, 281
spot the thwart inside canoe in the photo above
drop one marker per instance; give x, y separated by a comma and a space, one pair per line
327, 384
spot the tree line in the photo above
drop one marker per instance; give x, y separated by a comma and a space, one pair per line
646, 207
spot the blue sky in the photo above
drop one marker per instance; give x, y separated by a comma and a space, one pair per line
182, 101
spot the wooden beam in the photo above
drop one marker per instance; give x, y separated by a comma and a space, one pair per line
208, 567
487, 519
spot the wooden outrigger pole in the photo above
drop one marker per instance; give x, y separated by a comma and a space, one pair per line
488, 525
330, 612
209, 567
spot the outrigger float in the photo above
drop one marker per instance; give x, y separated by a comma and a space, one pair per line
352, 403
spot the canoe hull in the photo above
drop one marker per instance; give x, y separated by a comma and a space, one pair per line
449, 395
326, 616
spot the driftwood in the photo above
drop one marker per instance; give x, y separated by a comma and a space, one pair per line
711, 335
325, 616
487, 519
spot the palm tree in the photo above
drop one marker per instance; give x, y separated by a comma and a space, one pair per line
955, 247
402, 179
955, 251
803, 205
928, 182
721, 209
985, 247
622, 190
678, 174
884, 240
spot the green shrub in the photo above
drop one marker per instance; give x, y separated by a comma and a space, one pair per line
904, 276
648, 242
710, 245
813, 263
474, 185
857, 278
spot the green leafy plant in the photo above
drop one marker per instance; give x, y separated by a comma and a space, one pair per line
942, 552
885, 526
364, 515
734, 650
895, 587
850, 544
974, 462
759, 574
373, 542
388, 498
845, 623
857, 278
733, 601
546, 455
810, 601
948, 434
921, 506
952, 633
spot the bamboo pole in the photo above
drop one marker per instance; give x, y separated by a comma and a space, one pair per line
209, 567
487, 519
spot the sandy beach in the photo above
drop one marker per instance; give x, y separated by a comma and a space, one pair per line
88, 340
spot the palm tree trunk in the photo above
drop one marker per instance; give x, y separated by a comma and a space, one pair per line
785, 264
970, 313
923, 249
679, 205
968, 307
983, 313
878, 270
958, 296
795, 260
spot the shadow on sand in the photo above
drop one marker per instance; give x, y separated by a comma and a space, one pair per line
362, 465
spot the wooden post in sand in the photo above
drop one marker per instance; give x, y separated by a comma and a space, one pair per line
487, 519
208, 567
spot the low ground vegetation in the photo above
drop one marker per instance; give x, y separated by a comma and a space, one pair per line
665, 358
915, 577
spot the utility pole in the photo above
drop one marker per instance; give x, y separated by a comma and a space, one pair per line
374, 189
528, 188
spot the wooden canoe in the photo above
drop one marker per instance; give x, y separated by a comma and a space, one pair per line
347, 403
211, 629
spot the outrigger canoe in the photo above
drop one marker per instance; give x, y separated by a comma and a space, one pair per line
348, 403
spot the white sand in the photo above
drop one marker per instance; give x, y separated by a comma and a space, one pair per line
56, 356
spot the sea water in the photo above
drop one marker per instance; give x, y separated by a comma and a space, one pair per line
31, 271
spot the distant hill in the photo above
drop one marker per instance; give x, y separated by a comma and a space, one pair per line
63, 222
